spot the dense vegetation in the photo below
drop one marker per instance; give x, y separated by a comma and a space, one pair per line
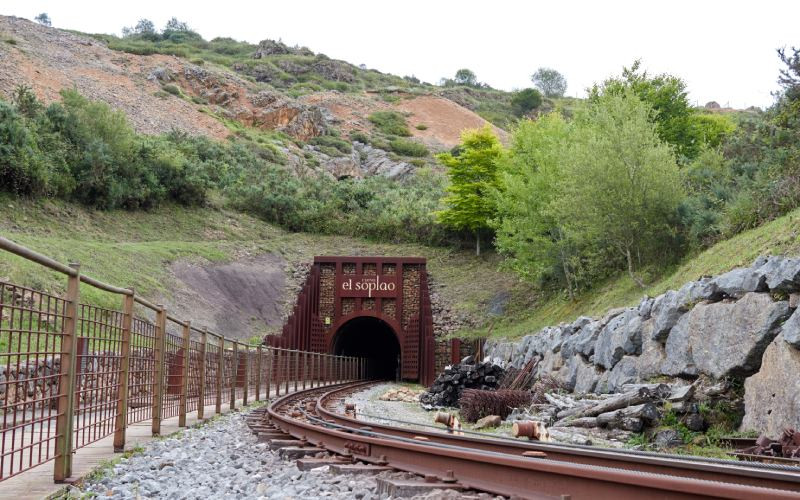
84, 151
637, 179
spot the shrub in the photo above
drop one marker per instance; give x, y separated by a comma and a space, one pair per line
525, 100
328, 142
390, 122
408, 148
421, 126
172, 89
359, 137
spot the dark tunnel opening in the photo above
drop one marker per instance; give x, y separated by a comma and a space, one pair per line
370, 338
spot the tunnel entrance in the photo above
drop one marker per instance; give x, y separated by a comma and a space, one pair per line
370, 338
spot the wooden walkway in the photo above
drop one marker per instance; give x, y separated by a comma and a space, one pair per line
37, 483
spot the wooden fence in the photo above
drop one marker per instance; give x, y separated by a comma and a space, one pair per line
73, 373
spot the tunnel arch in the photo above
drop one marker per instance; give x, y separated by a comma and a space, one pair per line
372, 336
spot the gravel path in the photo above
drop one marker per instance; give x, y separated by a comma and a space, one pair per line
223, 460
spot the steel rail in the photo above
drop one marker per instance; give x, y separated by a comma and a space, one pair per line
741, 473
508, 474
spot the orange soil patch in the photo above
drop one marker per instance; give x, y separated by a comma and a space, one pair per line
444, 118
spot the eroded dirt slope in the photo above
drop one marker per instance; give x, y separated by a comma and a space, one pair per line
240, 299
49, 60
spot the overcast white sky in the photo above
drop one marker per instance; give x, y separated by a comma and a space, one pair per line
725, 50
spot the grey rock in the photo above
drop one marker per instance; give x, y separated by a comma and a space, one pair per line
678, 358
648, 363
622, 335
724, 339
579, 376
781, 274
681, 393
670, 306
791, 330
772, 396
626, 371
645, 307
738, 282
586, 339
666, 311
695, 422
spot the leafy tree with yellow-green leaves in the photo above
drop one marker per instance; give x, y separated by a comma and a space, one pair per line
474, 178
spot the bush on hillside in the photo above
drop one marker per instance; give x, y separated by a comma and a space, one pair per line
406, 147
390, 122
526, 100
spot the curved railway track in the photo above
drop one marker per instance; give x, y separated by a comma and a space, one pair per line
518, 468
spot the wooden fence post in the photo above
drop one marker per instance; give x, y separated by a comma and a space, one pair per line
220, 367
66, 383
234, 366
259, 353
184, 376
121, 423
158, 383
201, 403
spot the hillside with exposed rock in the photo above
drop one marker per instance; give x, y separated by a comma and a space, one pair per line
161, 93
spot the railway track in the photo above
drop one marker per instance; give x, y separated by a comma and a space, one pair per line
517, 468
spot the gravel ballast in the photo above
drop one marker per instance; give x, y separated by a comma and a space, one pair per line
224, 460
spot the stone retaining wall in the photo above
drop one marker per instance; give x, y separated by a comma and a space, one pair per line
741, 325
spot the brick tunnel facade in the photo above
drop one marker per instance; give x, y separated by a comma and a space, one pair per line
373, 307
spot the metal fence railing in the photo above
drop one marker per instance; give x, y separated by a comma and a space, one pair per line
73, 373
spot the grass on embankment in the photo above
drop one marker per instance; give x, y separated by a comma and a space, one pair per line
136, 248
781, 236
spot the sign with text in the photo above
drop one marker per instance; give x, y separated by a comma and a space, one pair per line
366, 285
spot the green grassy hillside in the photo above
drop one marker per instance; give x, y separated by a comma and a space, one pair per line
135, 249
779, 237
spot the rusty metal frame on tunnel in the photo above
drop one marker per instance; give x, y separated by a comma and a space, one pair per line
412, 322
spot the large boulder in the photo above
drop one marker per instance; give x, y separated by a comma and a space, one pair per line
622, 335
584, 341
781, 274
569, 345
579, 376
738, 282
772, 396
791, 330
648, 363
626, 371
668, 308
725, 338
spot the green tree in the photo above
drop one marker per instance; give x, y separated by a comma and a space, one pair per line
474, 177
43, 19
528, 234
525, 100
667, 95
466, 77
550, 82
621, 186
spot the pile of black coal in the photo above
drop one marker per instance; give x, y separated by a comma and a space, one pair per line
446, 389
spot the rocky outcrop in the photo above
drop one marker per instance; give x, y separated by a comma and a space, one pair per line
772, 396
737, 326
363, 161
724, 339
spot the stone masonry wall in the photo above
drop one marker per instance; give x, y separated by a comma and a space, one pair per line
741, 325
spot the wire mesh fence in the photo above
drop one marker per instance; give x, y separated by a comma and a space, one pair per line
73, 373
